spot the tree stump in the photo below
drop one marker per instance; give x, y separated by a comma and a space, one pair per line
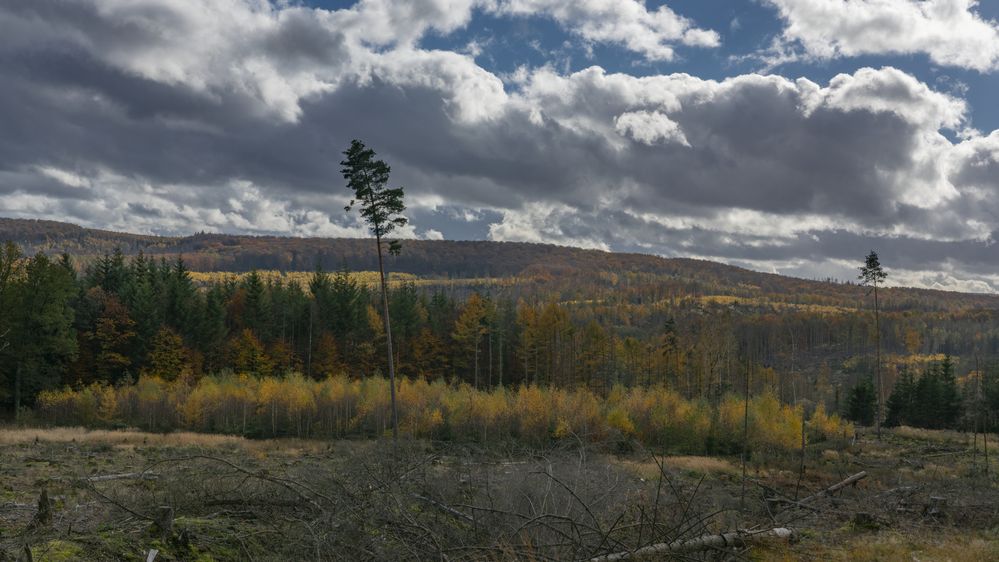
864, 520
163, 524
936, 507
44, 514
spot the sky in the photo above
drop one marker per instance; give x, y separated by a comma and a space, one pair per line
787, 136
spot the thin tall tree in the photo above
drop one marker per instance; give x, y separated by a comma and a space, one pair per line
381, 208
873, 275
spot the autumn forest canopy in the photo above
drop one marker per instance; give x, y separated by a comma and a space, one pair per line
113, 321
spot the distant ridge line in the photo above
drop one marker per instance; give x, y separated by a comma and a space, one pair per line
443, 258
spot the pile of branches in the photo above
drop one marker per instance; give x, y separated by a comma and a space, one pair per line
405, 503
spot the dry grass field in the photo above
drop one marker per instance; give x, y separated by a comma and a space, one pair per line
74, 494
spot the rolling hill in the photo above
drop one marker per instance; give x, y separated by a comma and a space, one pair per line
458, 259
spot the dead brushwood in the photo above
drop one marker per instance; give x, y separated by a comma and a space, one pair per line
351, 500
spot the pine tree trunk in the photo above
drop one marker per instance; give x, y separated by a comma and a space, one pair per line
312, 313
17, 394
877, 367
745, 440
475, 370
801, 467
388, 342
500, 366
985, 445
527, 371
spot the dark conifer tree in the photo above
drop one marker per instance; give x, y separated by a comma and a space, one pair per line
861, 404
41, 339
902, 402
949, 408
211, 329
929, 393
346, 311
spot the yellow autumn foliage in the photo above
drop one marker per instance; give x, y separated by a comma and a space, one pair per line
338, 407
822, 426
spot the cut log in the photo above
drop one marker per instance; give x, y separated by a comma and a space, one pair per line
899, 490
790, 502
836, 487
124, 476
15, 505
110, 477
732, 539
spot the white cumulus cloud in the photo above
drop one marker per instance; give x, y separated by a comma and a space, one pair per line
950, 32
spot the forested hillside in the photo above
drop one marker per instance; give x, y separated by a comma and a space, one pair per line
491, 315
555, 265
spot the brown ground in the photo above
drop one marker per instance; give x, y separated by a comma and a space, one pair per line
926, 498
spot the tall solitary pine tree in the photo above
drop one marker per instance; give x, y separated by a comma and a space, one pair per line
381, 208
873, 275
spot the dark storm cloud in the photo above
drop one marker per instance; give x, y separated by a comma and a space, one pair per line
183, 116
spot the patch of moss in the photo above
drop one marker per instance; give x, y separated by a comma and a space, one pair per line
193, 522
118, 545
58, 551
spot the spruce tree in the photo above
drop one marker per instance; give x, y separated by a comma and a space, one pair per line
949, 408
861, 403
137, 294
928, 399
256, 308
42, 340
345, 312
901, 404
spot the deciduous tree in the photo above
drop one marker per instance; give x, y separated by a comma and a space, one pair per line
468, 332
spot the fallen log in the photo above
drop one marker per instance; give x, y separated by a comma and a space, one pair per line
732, 539
948, 453
109, 477
15, 505
836, 487
790, 502
124, 476
445, 508
899, 490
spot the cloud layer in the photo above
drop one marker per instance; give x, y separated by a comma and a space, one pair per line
950, 32
185, 115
